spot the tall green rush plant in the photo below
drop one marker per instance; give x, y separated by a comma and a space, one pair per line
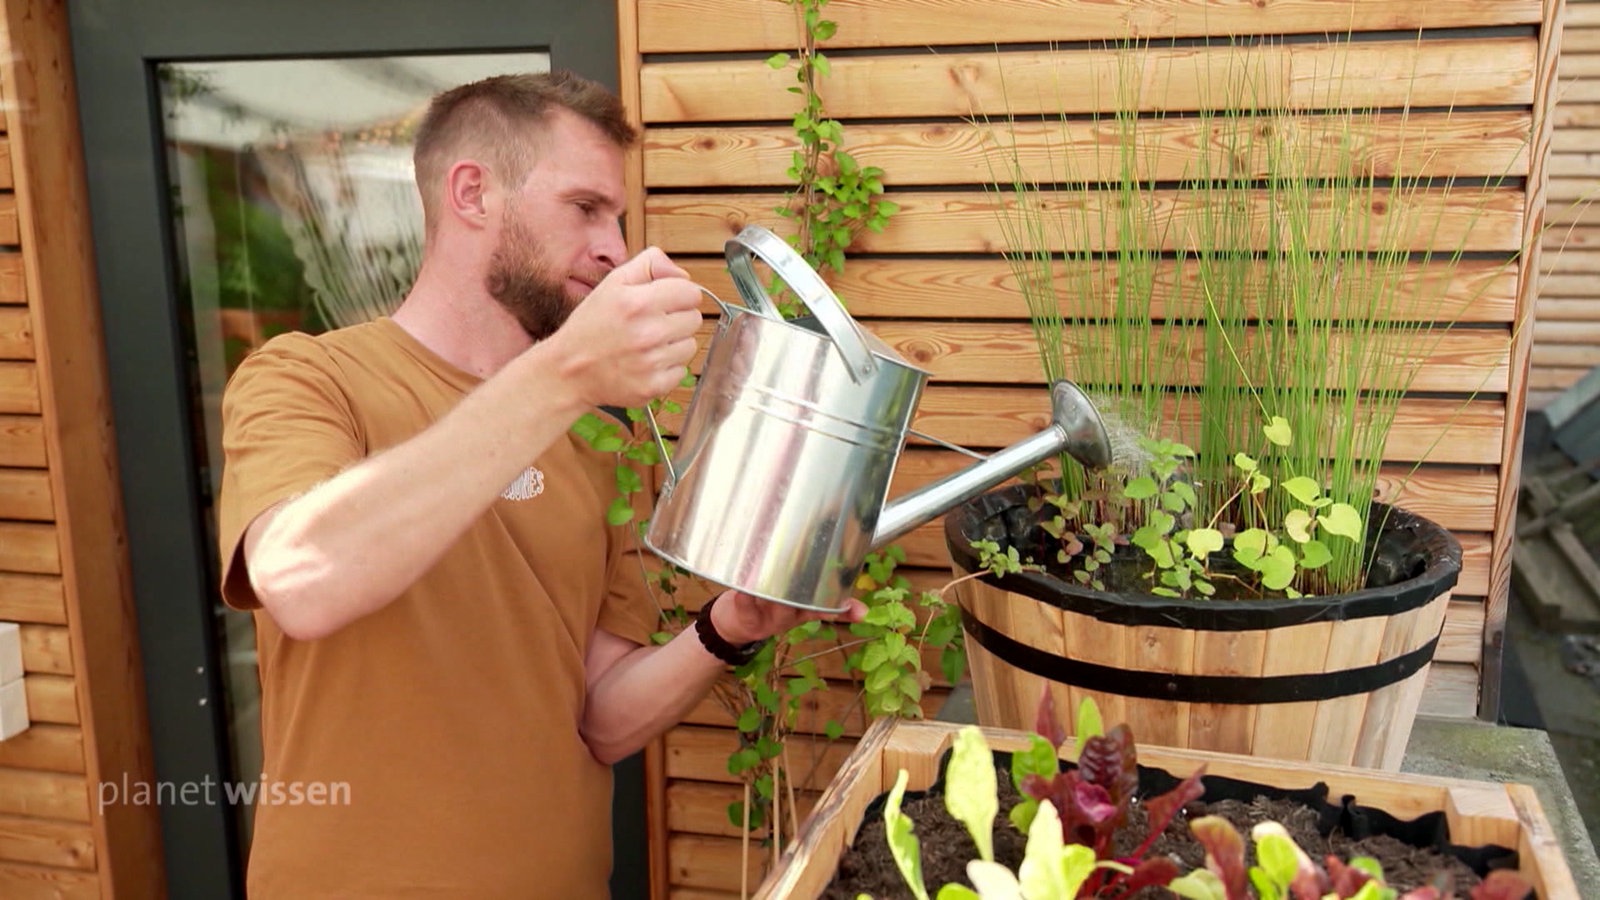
1289, 255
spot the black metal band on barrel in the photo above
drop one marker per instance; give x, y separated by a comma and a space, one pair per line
1234, 689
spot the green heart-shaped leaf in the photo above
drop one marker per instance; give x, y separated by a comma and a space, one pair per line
1342, 519
1297, 523
1278, 431
1302, 488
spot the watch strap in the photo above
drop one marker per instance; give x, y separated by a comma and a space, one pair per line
732, 654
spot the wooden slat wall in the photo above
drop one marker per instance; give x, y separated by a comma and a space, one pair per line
933, 285
1566, 331
62, 572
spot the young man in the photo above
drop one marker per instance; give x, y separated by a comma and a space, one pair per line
446, 624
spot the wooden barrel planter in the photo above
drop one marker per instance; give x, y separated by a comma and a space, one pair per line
1333, 679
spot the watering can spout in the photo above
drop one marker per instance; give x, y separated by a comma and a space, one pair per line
1075, 429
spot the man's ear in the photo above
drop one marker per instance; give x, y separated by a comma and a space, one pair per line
466, 192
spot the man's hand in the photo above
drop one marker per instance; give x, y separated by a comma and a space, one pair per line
741, 618
631, 339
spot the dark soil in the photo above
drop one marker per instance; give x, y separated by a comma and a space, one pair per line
867, 866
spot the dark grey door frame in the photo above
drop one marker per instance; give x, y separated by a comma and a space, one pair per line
116, 44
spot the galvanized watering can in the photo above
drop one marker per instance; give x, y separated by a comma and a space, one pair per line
778, 483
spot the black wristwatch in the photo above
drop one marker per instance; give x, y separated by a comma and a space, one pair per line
733, 654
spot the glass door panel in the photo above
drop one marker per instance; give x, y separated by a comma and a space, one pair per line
292, 209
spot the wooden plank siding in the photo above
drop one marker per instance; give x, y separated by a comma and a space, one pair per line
63, 572
1566, 336
919, 89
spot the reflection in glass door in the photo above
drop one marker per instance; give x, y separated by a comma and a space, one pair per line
293, 209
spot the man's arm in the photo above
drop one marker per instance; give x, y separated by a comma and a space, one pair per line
636, 693
349, 546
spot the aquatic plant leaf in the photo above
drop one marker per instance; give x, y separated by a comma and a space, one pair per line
1278, 431
1204, 541
1302, 488
1298, 524
1314, 554
1342, 519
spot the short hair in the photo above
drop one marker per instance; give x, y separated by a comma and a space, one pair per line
491, 114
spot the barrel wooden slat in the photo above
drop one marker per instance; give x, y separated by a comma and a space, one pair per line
1283, 730
1448, 73
1226, 727
1354, 643
679, 26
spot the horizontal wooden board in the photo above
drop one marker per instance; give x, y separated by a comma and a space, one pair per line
1570, 284
1570, 113
32, 598
679, 26
1452, 691
19, 388
1566, 355
1559, 311
13, 286
697, 861
16, 333
1453, 73
1459, 360
1560, 332
942, 288
45, 747
1554, 379
978, 222
1486, 144
46, 649
25, 882
63, 844
1458, 499
48, 795
29, 547
10, 231
25, 494
51, 698
701, 807
1462, 638
983, 417
701, 754
22, 441
7, 180
841, 703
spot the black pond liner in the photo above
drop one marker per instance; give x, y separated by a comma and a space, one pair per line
1430, 831
1413, 561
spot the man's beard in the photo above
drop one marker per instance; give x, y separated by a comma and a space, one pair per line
522, 281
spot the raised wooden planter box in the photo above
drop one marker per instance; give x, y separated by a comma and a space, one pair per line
1478, 812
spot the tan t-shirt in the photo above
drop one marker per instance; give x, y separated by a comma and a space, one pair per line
449, 718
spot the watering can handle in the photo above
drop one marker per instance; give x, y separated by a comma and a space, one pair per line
814, 293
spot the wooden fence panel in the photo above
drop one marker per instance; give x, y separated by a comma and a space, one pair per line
934, 285
1566, 343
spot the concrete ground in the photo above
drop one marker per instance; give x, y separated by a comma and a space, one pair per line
1540, 691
